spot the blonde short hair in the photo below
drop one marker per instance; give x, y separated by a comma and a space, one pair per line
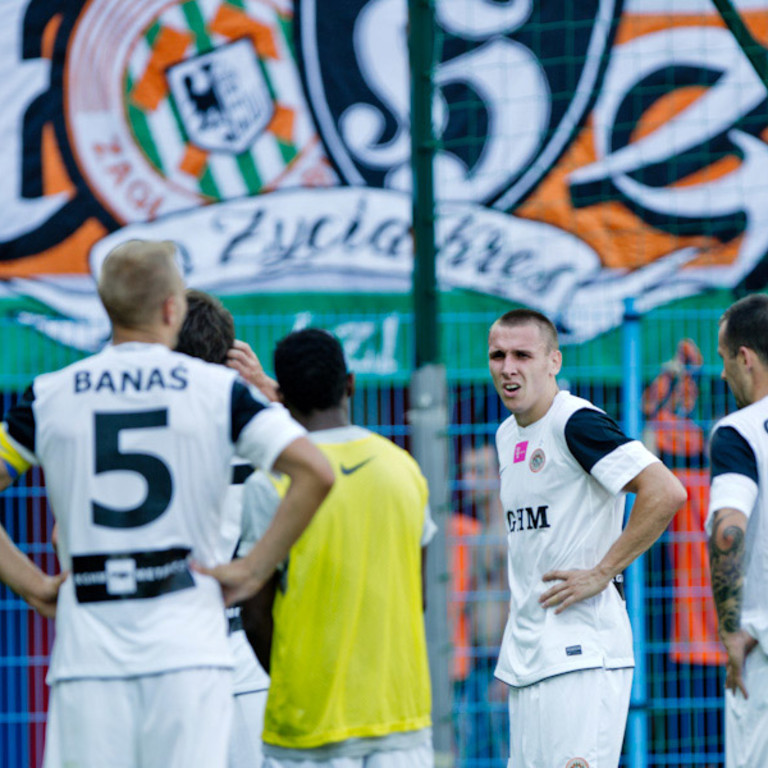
136, 278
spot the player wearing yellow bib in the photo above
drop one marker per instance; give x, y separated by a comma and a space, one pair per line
348, 662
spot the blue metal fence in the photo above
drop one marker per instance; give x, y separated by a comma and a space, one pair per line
678, 705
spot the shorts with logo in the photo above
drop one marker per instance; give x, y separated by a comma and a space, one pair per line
746, 720
178, 719
574, 720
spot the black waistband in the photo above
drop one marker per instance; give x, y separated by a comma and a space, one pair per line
618, 582
234, 619
130, 575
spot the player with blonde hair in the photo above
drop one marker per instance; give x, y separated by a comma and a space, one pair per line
136, 443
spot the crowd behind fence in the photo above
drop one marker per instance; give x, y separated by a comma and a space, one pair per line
682, 396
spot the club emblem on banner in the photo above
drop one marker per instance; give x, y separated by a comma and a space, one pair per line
189, 103
222, 97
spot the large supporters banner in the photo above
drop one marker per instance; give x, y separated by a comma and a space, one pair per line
588, 152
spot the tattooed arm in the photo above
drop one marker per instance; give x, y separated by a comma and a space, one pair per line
726, 559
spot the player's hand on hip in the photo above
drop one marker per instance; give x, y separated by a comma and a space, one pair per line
572, 587
237, 581
244, 360
738, 645
46, 594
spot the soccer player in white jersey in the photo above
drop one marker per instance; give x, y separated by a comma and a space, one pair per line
565, 467
737, 524
208, 332
136, 443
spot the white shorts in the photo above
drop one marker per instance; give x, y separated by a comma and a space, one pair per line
575, 720
247, 725
176, 719
418, 757
746, 720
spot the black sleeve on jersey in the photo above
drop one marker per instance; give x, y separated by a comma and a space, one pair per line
244, 408
592, 435
21, 420
730, 452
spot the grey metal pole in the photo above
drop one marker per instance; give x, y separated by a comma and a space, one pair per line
429, 422
429, 390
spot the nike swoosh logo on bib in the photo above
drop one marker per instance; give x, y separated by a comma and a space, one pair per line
350, 470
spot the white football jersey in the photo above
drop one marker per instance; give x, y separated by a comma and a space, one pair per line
561, 490
739, 461
249, 675
136, 444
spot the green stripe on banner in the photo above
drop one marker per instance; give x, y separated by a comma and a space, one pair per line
152, 32
286, 24
240, 4
140, 127
208, 184
267, 79
287, 150
249, 172
196, 22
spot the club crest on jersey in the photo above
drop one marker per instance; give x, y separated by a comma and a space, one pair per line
357, 55
577, 762
538, 459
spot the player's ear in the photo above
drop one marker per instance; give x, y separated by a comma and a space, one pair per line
557, 361
174, 310
748, 357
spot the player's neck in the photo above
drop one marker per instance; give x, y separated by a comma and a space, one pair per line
760, 387
541, 408
147, 335
330, 418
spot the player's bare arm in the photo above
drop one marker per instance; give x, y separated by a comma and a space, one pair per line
245, 361
26, 579
311, 481
726, 559
17, 571
659, 495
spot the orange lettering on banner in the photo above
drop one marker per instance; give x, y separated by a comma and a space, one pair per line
232, 23
68, 257
112, 148
139, 195
120, 171
169, 48
138, 192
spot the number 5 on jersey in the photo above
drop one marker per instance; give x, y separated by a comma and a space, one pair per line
109, 458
